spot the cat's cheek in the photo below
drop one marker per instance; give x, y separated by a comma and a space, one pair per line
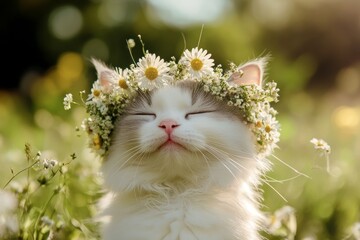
191, 139
150, 137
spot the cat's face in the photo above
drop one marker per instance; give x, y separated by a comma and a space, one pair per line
178, 132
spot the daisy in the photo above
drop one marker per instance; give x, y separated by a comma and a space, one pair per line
152, 71
122, 78
324, 149
198, 61
109, 79
321, 145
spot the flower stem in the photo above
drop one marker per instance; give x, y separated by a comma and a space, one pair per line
23, 170
327, 163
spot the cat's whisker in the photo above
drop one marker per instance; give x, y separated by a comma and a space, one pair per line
221, 156
231, 151
214, 142
228, 158
287, 165
128, 155
188, 165
131, 139
223, 163
276, 191
270, 179
140, 156
207, 162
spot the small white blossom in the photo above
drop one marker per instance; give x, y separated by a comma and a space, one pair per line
49, 164
355, 230
324, 149
47, 221
131, 43
283, 222
8, 202
68, 99
321, 145
53, 162
8, 219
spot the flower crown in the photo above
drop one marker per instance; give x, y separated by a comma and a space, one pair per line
241, 86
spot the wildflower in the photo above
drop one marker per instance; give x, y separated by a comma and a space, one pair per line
47, 221
122, 81
16, 187
53, 162
324, 149
355, 230
152, 71
321, 145
68, 99
97, 141
96, 92
198, 61
283, 222
8, 220
49, 164
8, 202
131, 43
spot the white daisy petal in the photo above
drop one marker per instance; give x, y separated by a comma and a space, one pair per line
198, 62
152, 72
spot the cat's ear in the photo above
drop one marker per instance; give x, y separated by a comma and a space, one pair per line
104, 73
249, 73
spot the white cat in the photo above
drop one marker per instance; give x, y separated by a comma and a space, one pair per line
183, 166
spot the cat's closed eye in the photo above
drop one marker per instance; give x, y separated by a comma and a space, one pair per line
190, 114
144, 114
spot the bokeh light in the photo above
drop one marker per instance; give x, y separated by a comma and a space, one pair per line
187, 12
347, 118
70, 67
274, 14
95, 48
65, 22
112, 12
348, 80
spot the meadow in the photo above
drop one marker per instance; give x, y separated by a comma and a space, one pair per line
50, 181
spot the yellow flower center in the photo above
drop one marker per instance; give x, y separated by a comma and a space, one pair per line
258, 124
196, 64
122, 84
96, 93
97, 141
267, 129
151, 73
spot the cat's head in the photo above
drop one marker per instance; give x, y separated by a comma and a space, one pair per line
181, 131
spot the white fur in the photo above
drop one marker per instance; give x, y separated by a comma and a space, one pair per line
205, 190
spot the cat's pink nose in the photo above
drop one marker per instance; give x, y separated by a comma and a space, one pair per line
168, 125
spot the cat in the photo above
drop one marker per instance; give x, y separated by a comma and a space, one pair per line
182, 165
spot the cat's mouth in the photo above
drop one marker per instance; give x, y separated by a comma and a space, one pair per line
170, 144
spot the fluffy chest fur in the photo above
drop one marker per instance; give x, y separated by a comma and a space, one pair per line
213, 215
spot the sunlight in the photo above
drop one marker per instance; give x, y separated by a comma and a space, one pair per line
187, 12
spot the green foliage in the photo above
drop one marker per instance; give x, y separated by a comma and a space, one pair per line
55, 199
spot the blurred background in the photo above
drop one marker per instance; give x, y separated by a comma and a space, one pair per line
315, 59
